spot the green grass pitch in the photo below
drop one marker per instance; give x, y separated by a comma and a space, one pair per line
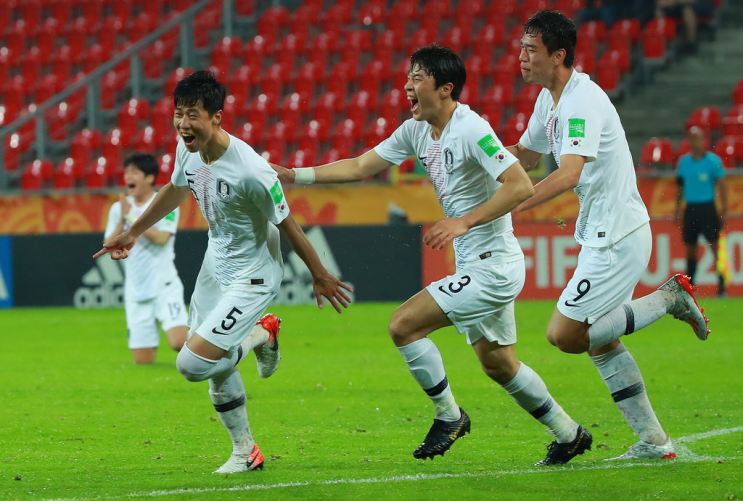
342, 415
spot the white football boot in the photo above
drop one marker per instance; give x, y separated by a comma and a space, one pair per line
644, 450
686, 308
239, 463
267, 357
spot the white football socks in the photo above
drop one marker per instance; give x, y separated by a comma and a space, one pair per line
196, 368
622, 376
228, 396
427, 367
257, 337
530, 392
629, 317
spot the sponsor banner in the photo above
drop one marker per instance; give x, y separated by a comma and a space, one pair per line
313, 206
551, 255
381, 263
6, 273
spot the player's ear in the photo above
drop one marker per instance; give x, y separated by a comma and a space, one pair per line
445, 90
559, 56
217, 118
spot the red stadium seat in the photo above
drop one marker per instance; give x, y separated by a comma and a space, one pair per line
489, 36
301, 158
245, 7
654, 44
46, 35
457, 38
394, 104
371, 13
420, 38
738, 92
657, 152
132, 113
492, 113
256, 49
266, 102
61, 11
568, 7
732, 124
165, 171
665, 26
730, 150
227, 49
507, 69
501, 9
379, 130
68, 174
471, 92
627, 29
147, 140
328, 104
608, 78
272, 20
175, 76
361, 104
526, 98
531, 7
251, 133
314, 132
705, 117
336, 17
244, 79
36, 174
406, 10
502, 95
340, 75
113, 144
85, 142
515, 127
592, 30
585, 59
99, 173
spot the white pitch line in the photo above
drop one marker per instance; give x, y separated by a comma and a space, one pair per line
687, 456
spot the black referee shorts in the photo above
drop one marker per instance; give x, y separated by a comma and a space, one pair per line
701, 219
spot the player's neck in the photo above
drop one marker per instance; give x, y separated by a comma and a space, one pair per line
438, 123
216, 147
558, 82
141, 199
697, 155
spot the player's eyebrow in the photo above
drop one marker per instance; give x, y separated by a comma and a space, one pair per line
528, 45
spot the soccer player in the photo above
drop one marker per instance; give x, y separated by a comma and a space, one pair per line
574, 120
153, 291
477, 183
243, 204
699, 175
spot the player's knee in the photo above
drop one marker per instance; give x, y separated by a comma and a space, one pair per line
567, 343
191, 367
397, 330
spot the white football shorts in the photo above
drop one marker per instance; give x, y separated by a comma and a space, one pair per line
224, 316
479, 299
606, 277
142, 317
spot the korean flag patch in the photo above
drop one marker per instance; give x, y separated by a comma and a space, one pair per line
576, 142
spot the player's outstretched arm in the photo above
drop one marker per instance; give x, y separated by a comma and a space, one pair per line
166, 200
527, 158
558, 182
516, 188
325, 284
342, 171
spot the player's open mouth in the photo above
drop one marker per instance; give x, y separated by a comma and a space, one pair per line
188, 138
131, 186
413, 104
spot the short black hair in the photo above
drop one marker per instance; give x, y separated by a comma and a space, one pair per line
202, 88
558, 32
145, 162
443, 64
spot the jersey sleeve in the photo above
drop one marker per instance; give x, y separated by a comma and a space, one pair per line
534, 137
267, 192
399, 146
169, 223
718, 171
483, 146
114, 216
581, 130
178, 178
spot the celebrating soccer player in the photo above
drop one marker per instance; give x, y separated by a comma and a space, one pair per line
575, 121
243, 203
478, 183
153, 291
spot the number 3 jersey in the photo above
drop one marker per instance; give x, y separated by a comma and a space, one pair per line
463, 166
149, 266
241, 199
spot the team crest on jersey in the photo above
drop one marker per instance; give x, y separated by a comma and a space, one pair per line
556, 129
223, 190
448, 161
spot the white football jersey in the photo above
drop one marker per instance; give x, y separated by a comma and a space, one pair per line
241, 199
463, 166
149, 266
585, 123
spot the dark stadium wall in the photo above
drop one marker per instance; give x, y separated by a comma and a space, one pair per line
382, 263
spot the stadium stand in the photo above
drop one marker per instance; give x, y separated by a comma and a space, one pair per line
305, 83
